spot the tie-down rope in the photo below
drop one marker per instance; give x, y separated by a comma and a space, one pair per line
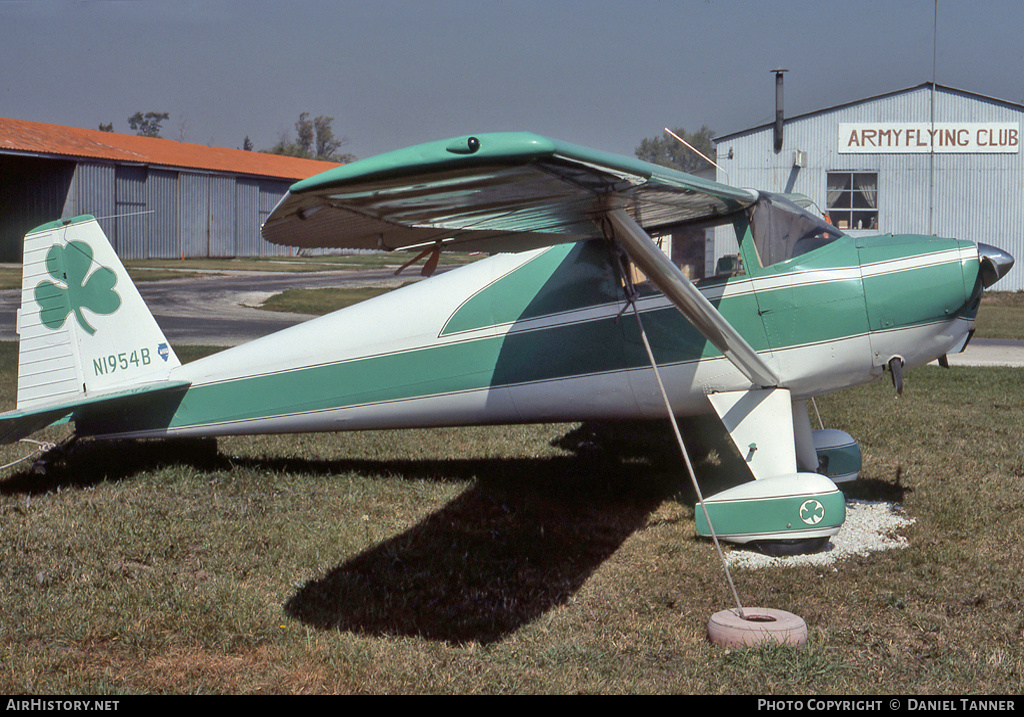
41, 446
686, 457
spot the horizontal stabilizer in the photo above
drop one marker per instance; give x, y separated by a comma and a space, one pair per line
15, 425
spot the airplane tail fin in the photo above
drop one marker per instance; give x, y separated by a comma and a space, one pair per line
85, 332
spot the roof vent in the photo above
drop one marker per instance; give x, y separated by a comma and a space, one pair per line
778, 109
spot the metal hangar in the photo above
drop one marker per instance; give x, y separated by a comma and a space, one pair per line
928, 159
155, 198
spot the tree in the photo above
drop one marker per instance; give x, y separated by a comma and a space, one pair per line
109, 127
670, 152
147, 125
326, 144
247, 144
314, 140
305, 134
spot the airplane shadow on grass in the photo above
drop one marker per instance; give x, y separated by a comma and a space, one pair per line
520, 541
506, 550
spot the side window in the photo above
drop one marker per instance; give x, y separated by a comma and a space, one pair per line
852, 199
710, 250
724, 256
665, 243
703, 251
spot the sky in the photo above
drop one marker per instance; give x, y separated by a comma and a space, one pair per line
393, 73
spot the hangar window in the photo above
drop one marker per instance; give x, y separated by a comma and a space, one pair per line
853, 199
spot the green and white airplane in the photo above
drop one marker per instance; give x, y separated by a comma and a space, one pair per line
555, 325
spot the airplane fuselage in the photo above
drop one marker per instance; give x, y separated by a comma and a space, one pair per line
548, 335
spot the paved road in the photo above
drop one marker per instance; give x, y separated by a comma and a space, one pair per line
990, 352
219, 309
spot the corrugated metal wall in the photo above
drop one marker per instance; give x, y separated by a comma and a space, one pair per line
194, 211
162, 200
130, 237
92, 192
979, 197
247, 221
159, 213
222, 216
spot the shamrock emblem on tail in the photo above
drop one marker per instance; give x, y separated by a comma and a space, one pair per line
70, 265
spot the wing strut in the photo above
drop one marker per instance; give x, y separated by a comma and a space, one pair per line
665, 275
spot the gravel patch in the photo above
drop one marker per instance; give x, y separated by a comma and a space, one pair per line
254, 299
870, 526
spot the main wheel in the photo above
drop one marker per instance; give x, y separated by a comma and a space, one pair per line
785, 548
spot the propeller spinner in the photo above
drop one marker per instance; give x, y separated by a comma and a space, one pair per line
995, 264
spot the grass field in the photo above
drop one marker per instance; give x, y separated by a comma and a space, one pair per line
504, 560
159, 269
1001, 315
320, 301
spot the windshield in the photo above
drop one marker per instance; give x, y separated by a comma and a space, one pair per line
782, 230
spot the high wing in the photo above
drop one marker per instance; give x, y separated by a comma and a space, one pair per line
492, 192
512, 192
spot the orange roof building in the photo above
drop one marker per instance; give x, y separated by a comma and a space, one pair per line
154, 197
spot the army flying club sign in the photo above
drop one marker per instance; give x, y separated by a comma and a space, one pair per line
925, 137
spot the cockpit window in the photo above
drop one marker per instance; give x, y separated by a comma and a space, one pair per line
782, 230
713, 250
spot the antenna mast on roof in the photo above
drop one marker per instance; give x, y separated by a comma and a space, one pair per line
697, 152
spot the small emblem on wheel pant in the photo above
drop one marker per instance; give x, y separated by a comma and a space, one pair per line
812, 512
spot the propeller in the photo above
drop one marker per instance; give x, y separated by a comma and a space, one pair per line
995, 264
